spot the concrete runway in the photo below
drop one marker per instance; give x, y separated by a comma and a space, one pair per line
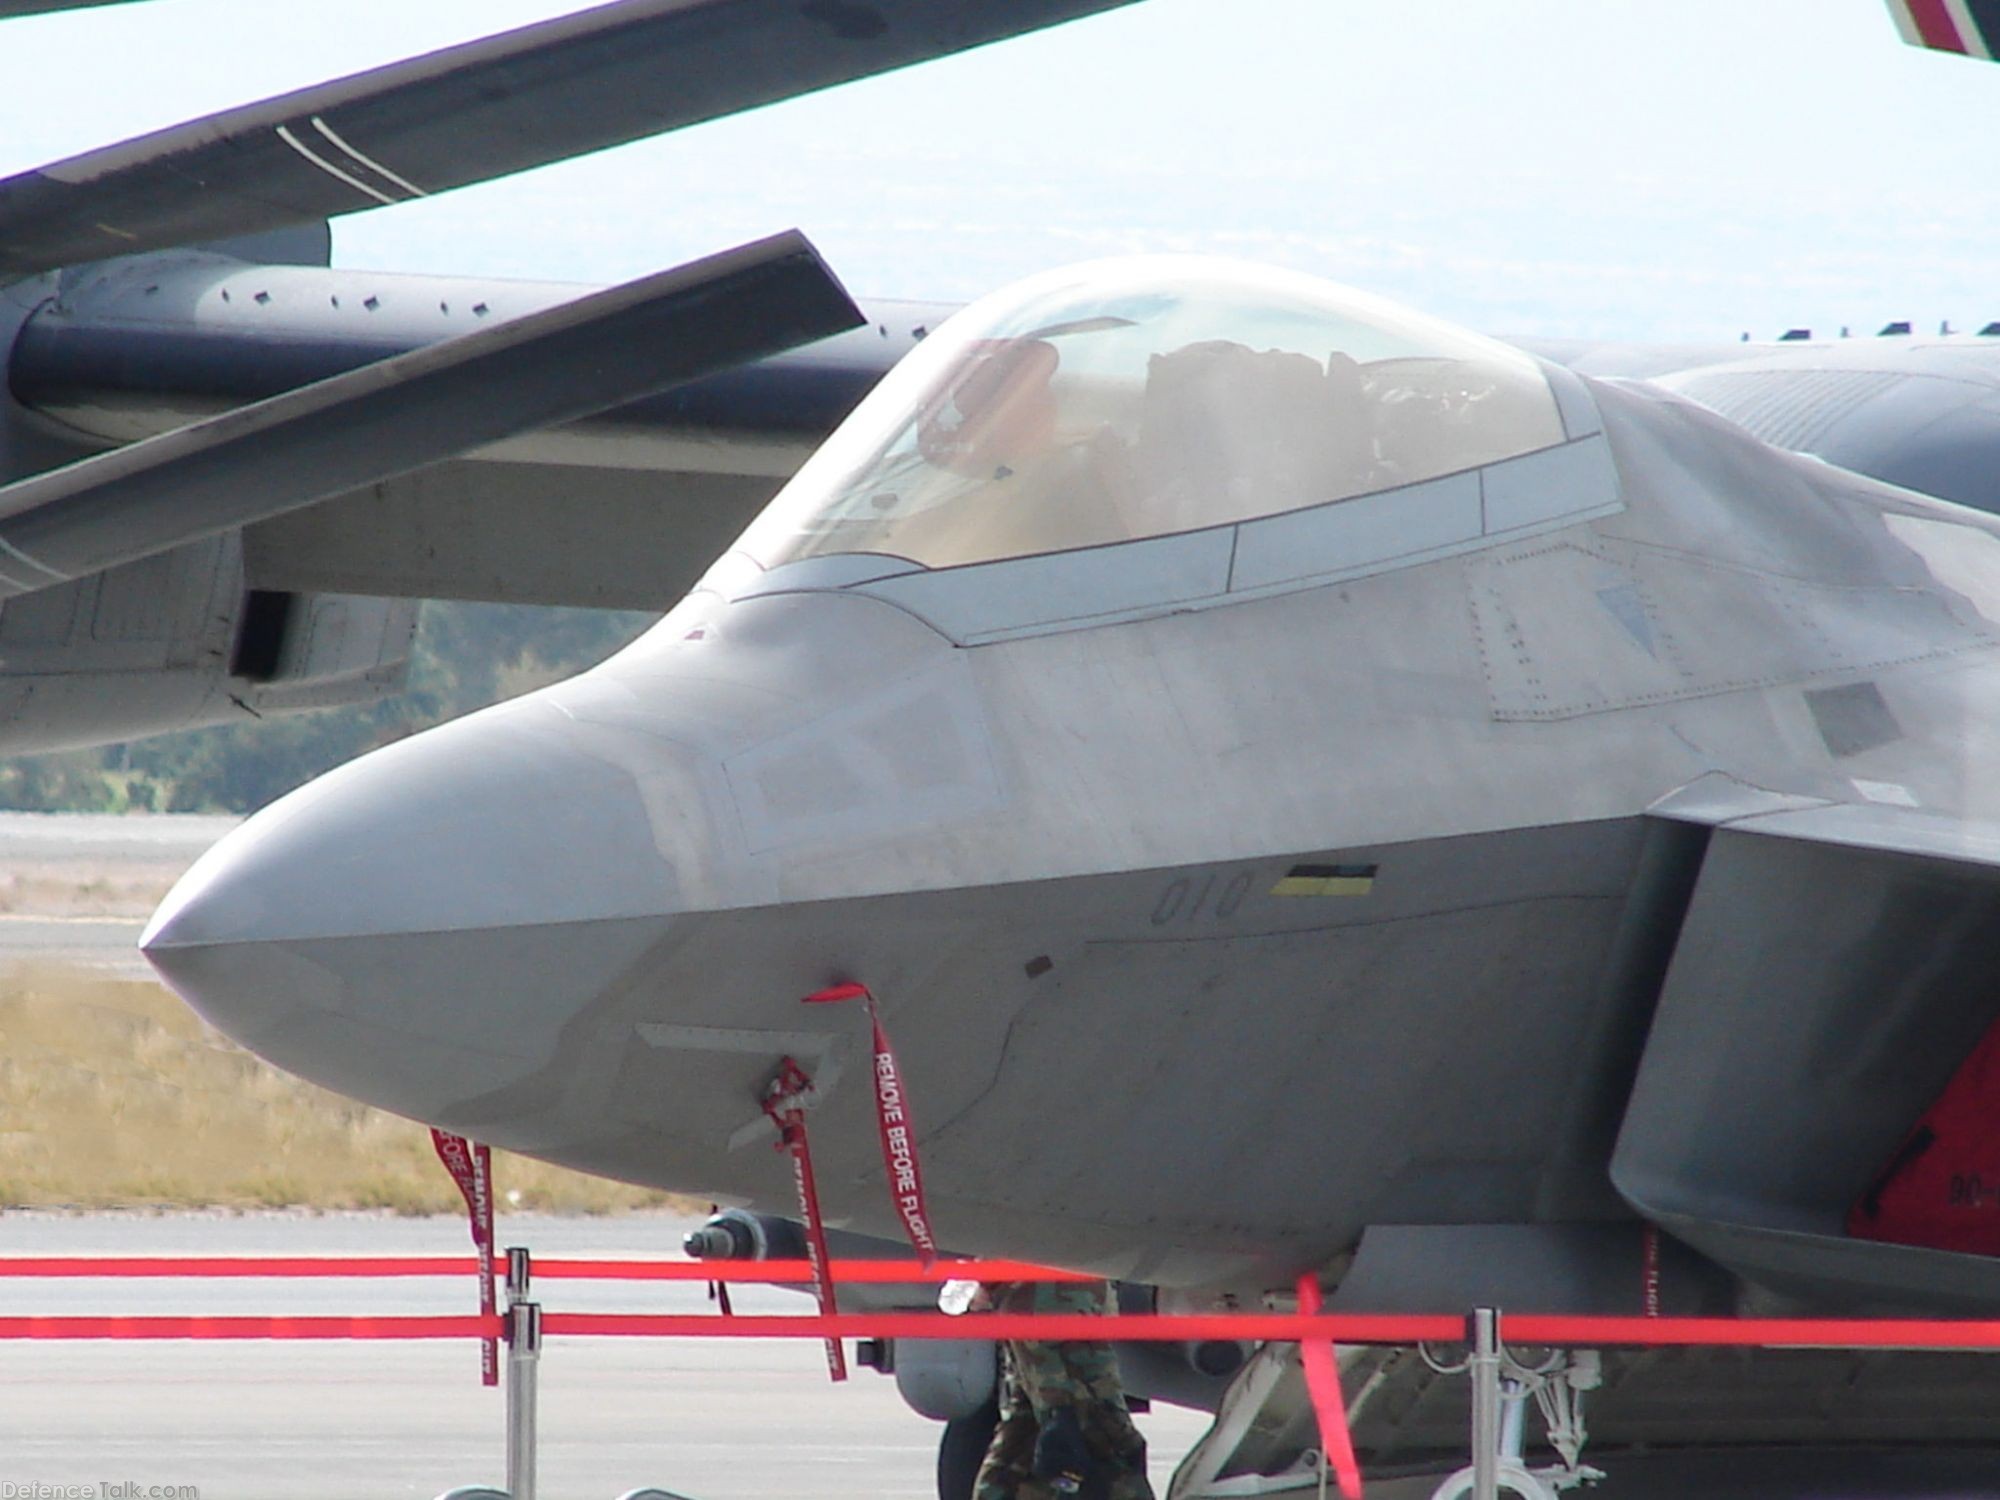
77, 846
174, 838
93, 942
712, 1419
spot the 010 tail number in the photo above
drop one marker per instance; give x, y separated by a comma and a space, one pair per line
1194, 898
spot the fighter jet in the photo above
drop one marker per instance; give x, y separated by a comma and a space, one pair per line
1293, 773
1310, 788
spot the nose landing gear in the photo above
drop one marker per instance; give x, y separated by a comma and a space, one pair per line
1502, 1386
962, 1449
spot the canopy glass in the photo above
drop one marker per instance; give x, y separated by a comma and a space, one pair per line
1139, 398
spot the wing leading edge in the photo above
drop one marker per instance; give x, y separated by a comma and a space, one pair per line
10, 8
417, 408
543, 93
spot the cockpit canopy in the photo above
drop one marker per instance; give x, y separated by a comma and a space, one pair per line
1139, 398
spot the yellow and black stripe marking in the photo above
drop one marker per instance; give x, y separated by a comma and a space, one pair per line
1326, 880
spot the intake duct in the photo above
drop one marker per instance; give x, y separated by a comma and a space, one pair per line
1837, 970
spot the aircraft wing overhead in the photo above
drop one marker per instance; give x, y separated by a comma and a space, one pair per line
471, 113
1969, 27
45, 7
291, 450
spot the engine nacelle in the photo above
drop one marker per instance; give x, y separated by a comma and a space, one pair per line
177, 642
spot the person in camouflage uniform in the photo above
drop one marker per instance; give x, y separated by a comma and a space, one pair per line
1064, 1430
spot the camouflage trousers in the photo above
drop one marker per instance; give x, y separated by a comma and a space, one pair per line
1039, 1378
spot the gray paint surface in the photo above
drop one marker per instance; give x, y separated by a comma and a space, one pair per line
768, 794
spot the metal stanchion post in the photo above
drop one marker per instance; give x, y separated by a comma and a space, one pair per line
524, 1352
520, 1267
1484, 1368
524, 1338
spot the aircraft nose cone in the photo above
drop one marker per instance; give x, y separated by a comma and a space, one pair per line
414, 928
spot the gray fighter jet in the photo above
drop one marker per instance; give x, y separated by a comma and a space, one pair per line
1312, 789
1295, 774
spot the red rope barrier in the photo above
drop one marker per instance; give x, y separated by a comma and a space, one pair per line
468, 1326
1341, 1328
1350, 1329
1762, 1333
877, 1272
1344, 1328
86, 1266
854, 1272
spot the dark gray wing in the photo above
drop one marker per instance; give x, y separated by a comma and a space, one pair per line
45, 7
398, 415
482, 110
625, 509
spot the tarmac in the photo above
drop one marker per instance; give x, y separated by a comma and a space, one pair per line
86, 847
710, 1419
98, 943
169, 838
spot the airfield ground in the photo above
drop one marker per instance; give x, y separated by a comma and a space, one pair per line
712, 1419
112, 1093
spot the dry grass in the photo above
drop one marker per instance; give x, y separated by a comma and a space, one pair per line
114, 1094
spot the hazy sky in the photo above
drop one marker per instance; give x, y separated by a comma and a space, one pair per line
1605, 167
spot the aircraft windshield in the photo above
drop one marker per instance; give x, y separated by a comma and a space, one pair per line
1137, 398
